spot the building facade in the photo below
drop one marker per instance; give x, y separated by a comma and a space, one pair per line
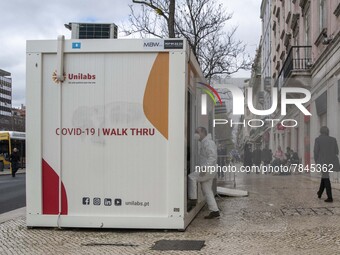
304, 53
247, 133
5, 93
18, 119
11, 119
266, 48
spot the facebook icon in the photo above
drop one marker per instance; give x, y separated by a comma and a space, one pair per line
86, 200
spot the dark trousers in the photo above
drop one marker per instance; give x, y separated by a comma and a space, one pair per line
326, 184
15, 167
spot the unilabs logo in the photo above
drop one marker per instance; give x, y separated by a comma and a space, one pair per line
74, 77
81, 76
55, 77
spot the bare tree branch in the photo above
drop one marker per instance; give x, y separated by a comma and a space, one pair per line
165, 9
201, 23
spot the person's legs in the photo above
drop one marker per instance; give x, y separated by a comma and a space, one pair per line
321, 188
16, 167
328, 187
209, 195
13, 169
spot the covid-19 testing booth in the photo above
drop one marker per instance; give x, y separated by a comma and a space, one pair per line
110, 127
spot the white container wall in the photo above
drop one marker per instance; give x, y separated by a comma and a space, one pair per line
107, 146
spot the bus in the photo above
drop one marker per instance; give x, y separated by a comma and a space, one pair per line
8, 141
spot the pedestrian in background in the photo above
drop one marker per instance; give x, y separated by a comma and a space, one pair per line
279, 157
325, 154
257, 158
288, 154
14, 159
247, 157
267, 156
294, 159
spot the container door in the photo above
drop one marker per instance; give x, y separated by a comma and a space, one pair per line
102, 137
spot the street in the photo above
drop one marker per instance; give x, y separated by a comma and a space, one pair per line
12, 192
281, 215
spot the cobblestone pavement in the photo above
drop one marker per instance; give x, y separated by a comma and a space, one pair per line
281, 215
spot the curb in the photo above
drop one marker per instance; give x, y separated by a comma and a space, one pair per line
11, 215
9, 173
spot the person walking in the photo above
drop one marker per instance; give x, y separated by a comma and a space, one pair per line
248, 159
325, 154
267, 156
207, 157
257, 158
14, 159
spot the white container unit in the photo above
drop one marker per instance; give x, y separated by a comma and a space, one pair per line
107, 140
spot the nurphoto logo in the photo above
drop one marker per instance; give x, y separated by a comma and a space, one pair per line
240, 99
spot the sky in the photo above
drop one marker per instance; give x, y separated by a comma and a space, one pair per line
36, 19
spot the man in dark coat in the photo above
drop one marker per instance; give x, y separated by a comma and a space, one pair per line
325, 153
14, 159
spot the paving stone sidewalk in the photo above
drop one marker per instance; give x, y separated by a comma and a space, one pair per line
281, 215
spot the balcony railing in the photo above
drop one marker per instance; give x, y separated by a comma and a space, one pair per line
298, 59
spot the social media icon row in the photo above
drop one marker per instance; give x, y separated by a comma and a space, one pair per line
98, 201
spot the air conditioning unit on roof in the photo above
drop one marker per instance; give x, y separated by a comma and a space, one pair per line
93, 30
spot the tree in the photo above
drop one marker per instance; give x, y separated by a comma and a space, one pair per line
202, 23
146, 23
